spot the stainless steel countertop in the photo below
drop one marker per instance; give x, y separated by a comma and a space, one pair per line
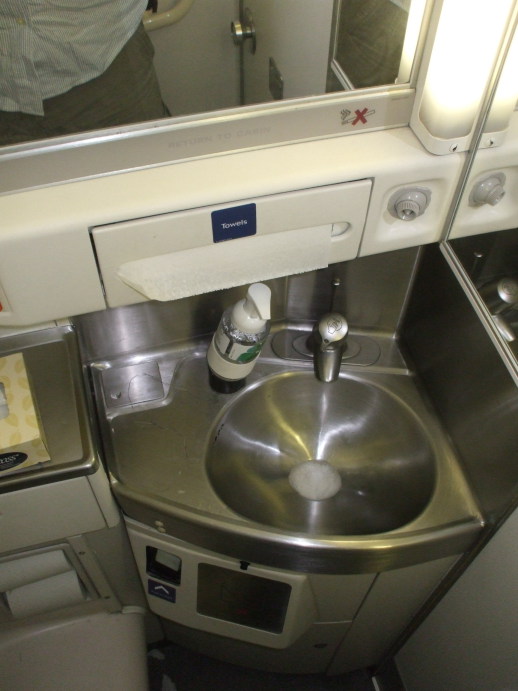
158, 413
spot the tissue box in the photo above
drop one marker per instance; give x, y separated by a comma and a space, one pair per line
21, 440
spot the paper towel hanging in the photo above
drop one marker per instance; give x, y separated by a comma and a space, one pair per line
204, 269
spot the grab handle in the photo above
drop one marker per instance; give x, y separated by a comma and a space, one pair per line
157, 20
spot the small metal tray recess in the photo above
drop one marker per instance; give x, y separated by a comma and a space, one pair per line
51, 358
290, 344
132, 384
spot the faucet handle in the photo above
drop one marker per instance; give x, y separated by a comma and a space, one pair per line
332, 328
329, 345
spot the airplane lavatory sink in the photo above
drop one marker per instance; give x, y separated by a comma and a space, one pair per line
352, 476
340, 458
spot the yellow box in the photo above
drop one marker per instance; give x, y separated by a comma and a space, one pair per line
21, 439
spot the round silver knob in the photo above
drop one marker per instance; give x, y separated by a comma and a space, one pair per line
332, 327
508, 290
407, 204
238, 34
244, 29
490, 190
408, 209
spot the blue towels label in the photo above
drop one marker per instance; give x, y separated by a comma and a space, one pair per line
234, 222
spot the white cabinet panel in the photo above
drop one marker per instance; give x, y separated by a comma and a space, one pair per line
46, 275
48, 512
339, 597
393, 601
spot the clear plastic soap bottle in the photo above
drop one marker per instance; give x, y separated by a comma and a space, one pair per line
238, 340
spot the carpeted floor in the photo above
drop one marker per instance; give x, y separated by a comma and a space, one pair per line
174, 668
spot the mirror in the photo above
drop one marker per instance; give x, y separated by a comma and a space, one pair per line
234, 53
490, 261
482, 239
367, 43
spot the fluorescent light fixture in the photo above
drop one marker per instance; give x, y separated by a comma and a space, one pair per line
464, 51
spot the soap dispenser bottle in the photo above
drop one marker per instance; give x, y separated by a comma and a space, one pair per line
238, 340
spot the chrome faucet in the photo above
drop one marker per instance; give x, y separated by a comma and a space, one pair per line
501, 298
329, 339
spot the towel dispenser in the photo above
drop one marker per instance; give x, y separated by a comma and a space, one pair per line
195, 251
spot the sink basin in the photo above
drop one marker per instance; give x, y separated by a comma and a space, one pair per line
345, 458
234, 474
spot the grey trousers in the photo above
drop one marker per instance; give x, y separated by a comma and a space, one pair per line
127, 92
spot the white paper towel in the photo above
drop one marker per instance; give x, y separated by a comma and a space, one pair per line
227, 264
45, 595
34, 567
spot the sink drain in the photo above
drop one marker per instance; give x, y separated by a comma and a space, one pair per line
315, 480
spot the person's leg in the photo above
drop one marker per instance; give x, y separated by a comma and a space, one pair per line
16, 128
127, 92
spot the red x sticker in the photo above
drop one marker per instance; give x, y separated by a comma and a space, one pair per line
359, 116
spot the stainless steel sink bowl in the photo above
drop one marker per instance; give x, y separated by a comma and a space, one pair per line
211, 470
376, 469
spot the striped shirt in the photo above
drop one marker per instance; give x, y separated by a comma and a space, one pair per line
49, 46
